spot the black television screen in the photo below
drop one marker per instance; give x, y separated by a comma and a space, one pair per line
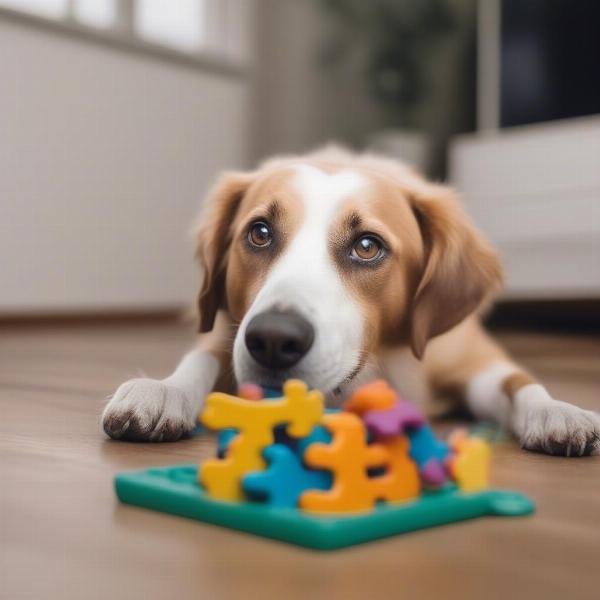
550, 60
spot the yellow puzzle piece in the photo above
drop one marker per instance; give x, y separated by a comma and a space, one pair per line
255, 420
470, 466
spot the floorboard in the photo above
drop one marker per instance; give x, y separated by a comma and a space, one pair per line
63, 535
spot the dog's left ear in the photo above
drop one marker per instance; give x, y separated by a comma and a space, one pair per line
213, 240
460, 269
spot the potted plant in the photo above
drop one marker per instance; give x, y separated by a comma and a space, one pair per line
401, 48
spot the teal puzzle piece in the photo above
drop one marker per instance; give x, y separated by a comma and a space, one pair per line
282, 483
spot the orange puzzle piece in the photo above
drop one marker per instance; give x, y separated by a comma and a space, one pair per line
377, 395
401, 480
348, 457
255, 420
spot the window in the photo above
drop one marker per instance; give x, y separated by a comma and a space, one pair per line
213, 29
96, 13
51, 9
180, 24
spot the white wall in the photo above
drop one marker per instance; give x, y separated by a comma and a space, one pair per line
104, 157
298, 104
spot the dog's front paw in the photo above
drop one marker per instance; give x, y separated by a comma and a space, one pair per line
543, 424
148, 410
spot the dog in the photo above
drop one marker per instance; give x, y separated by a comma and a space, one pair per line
336, 268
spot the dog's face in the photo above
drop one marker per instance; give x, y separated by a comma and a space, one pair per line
323, 261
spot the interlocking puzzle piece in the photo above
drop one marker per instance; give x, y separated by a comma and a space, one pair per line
248, 391
401, 479
349, 457
386, 416
470, 465
425, 446
434, 473
224, 439
319, 435
429, 453
377, 395
298, 445
395, 420
286, 478
298, 409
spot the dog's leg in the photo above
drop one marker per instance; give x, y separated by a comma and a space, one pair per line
164, 410
505, 393
497, 389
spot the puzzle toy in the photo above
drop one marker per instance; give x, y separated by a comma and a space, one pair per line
255, 423
289, 470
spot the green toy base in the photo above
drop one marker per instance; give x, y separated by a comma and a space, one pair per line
175, 490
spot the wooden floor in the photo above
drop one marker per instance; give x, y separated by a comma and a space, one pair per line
63, 535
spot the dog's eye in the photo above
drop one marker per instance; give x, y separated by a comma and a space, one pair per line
260, 234
367, 248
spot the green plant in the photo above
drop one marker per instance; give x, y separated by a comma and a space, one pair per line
396, 40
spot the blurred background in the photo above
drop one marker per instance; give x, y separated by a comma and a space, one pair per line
116, 115
115, 118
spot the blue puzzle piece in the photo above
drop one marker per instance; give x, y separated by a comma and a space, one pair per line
424, 446
224, 438
285, 479
318, 435
429, 453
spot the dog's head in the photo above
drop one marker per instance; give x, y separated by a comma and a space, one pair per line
325, 258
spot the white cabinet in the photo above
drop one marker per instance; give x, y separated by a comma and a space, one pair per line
535, 192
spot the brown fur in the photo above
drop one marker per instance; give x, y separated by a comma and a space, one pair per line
461, 270
214, 240
513, 383
231, 277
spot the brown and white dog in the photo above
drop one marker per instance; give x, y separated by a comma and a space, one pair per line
334, 268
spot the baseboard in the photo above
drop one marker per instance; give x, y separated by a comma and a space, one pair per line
94, 319
566, 316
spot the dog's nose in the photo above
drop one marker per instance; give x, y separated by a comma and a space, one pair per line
278, 340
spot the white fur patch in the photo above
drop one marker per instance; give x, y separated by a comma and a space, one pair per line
485, 397
304, 279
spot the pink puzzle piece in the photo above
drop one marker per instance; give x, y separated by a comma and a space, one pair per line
395, 420
433, 473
